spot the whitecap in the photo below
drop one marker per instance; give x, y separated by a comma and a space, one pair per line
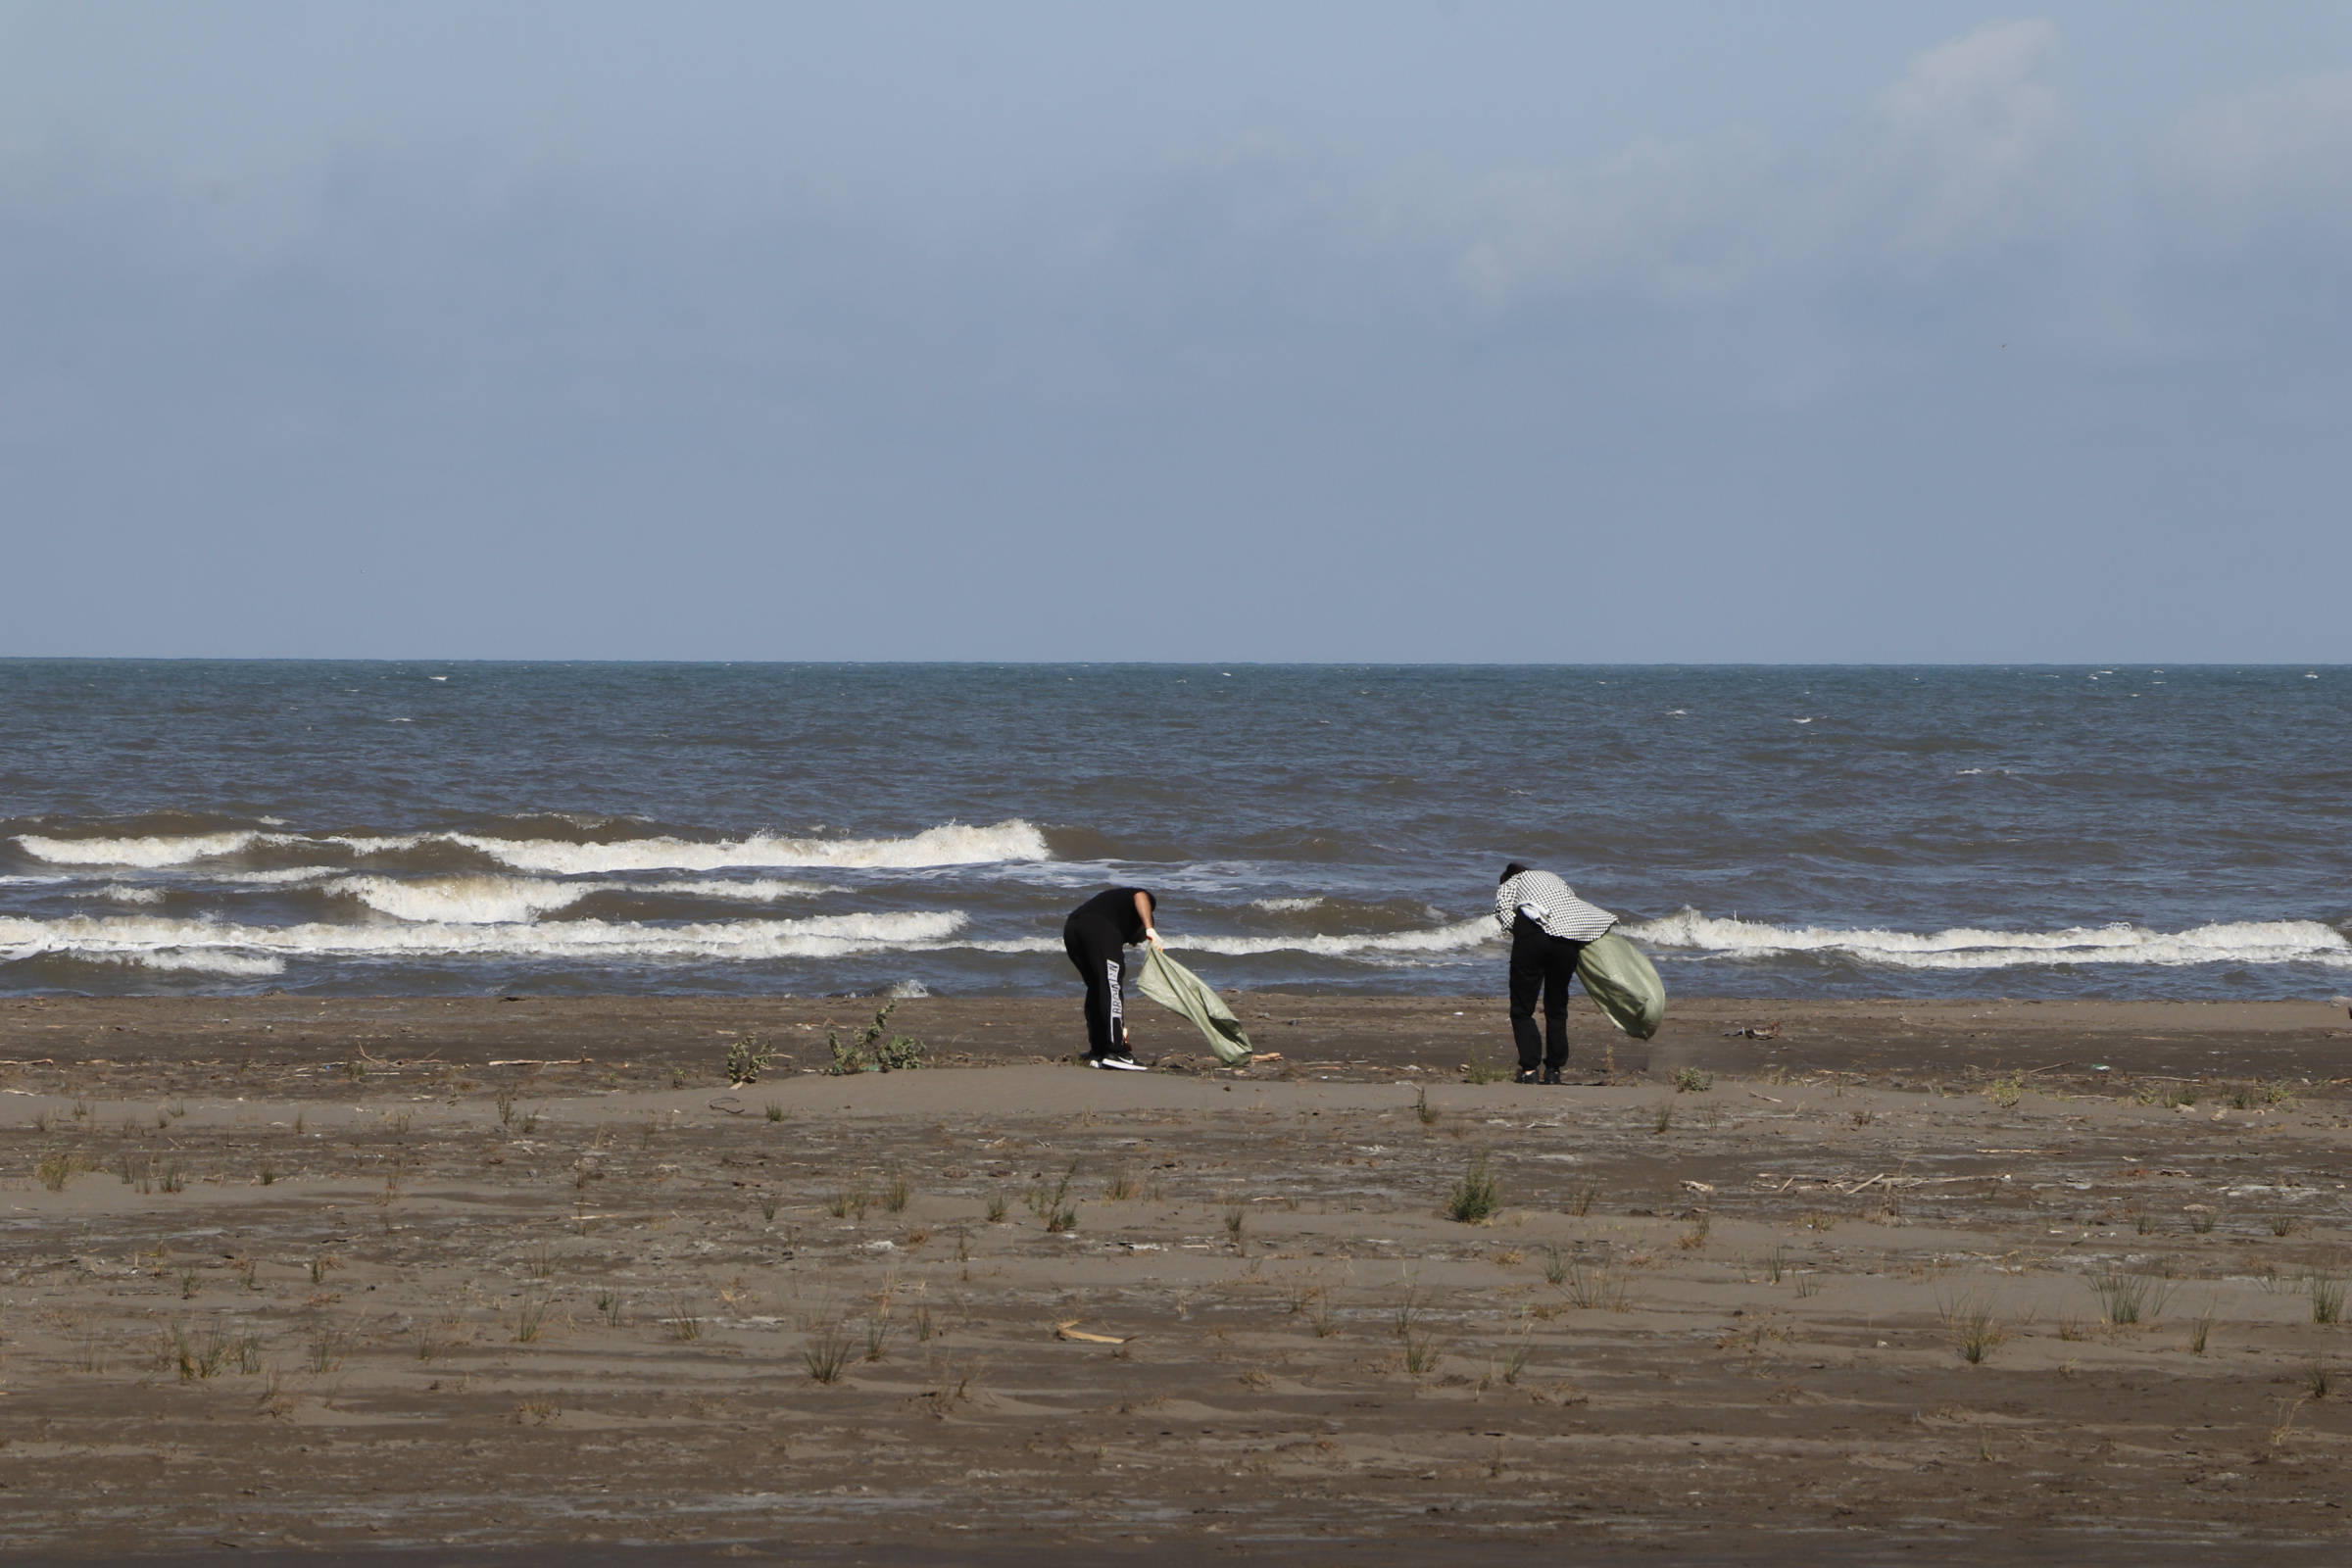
190, 961
283, 877
463, 899
1281, 905
185, 961
156, 851
952, 844
123, 894
1454, 938
763, 889
134, 937
2256, 941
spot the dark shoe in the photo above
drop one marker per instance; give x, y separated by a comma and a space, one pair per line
1527, 1075
1551, 1077
1120, 1062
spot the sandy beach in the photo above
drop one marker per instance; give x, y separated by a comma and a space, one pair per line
1855, 1281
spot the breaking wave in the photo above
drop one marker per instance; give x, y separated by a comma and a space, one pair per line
1453, 938
122, 894
194, 943
763, 890
491, 900
463, 899
950, 844
180, 960
2253, 942
176, 850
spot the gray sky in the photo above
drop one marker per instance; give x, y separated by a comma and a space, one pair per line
1349, 332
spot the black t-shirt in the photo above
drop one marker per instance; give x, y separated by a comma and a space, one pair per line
1116, 909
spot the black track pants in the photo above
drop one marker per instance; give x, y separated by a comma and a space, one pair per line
1542, 964
1094, 946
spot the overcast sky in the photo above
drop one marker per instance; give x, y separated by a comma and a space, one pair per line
1633, 333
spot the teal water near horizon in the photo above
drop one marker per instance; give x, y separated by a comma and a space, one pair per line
424, 827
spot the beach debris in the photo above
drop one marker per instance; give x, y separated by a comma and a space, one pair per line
1851, 1185
1698, 1187
395, 1062
1771, 1031
1071, 1330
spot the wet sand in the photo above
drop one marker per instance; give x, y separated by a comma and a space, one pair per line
481, 1276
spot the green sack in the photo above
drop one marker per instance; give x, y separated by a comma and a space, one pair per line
1618, 976
1178, 989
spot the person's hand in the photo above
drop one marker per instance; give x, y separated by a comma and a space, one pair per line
1152, 936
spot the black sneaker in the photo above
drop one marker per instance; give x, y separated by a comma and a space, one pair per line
1119, 1063
1551, 1077
1527, 1075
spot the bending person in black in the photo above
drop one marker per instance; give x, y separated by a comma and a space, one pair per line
1549, 926
1097, 936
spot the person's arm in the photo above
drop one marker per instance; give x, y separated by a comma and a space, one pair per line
1143, 908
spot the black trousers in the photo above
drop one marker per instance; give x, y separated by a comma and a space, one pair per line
1096, 948
1542, 964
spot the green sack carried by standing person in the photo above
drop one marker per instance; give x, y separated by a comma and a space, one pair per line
1618, 977
1178, 989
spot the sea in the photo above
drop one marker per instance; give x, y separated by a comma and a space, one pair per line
427, 828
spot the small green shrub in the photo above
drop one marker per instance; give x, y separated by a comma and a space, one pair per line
826, 1355
1478, 1196
2126, 1298
876, 1050
748, 1057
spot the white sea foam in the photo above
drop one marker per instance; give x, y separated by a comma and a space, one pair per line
143, 852
207, 961
199, 961
128, 893
1456, 938
952, 843
487, 900
283, 877
1284, 906
138, 938
763, 890
463, 899
1453, 938
2253, 942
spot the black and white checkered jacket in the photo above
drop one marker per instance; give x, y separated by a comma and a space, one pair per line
1549, 902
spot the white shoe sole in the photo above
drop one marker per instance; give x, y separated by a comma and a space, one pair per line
1116, 1064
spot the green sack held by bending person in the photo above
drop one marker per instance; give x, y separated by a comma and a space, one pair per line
1178, 989
1620, 980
